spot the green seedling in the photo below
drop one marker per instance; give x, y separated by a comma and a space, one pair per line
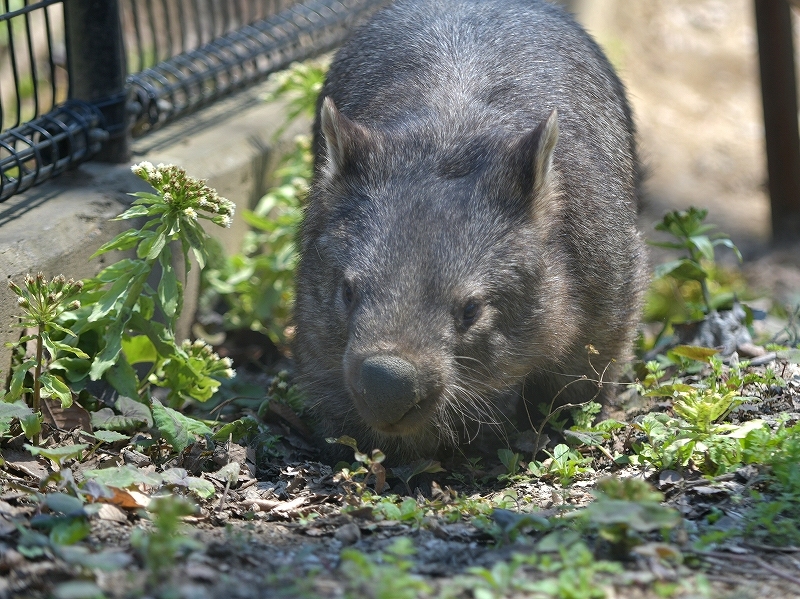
564, 463
560, 567
624, 511
162, 546
42, 302
406, 510
366, 465
511, 461
407, 472
693, 285
385, 575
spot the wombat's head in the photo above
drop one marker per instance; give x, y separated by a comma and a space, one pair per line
430, 281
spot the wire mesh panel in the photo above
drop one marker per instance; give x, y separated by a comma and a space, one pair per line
156, 30
63, 93
33, 77
48, 145
41, 133
240, 57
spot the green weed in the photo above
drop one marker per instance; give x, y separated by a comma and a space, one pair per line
564, 463
561, 566
256, 286
42, 302
623, 511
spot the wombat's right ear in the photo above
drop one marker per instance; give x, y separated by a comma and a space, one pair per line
343, 138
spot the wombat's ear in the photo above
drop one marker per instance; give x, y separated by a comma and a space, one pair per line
343, 137
537, 177
542, 142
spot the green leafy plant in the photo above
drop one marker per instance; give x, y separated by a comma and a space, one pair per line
691, 235
561, 566
118, 327
564, 463
773, 516
300, 84
118, 322
697, 432
511, 461
256, 286
408, 471
356, 476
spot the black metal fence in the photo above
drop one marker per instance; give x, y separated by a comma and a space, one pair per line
80, 78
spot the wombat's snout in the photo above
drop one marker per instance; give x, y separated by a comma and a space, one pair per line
390, 394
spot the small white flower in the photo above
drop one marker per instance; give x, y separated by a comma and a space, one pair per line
146, 165
190, 212
225, 221
167, 197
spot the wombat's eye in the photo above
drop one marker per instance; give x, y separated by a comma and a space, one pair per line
347, 293
470, 313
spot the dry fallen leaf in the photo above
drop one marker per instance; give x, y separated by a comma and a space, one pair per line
111, 513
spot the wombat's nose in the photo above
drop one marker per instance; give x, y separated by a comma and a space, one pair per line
390, 386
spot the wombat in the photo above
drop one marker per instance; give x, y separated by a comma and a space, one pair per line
469, 238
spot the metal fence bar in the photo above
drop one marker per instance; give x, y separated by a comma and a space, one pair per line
96, 58
779, 94
178, 26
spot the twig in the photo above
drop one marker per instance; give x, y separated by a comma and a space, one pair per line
765, 359
753, 559
761, 547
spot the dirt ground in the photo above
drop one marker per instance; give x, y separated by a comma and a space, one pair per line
691, 70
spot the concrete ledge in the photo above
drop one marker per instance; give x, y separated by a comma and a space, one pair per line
55, 227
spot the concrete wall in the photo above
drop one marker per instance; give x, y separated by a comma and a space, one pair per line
55, 227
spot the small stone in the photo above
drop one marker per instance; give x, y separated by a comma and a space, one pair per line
348, 534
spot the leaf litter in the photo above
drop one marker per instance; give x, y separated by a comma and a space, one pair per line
292, 526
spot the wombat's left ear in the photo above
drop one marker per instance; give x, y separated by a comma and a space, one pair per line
343, 138
541, 142
535, 159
